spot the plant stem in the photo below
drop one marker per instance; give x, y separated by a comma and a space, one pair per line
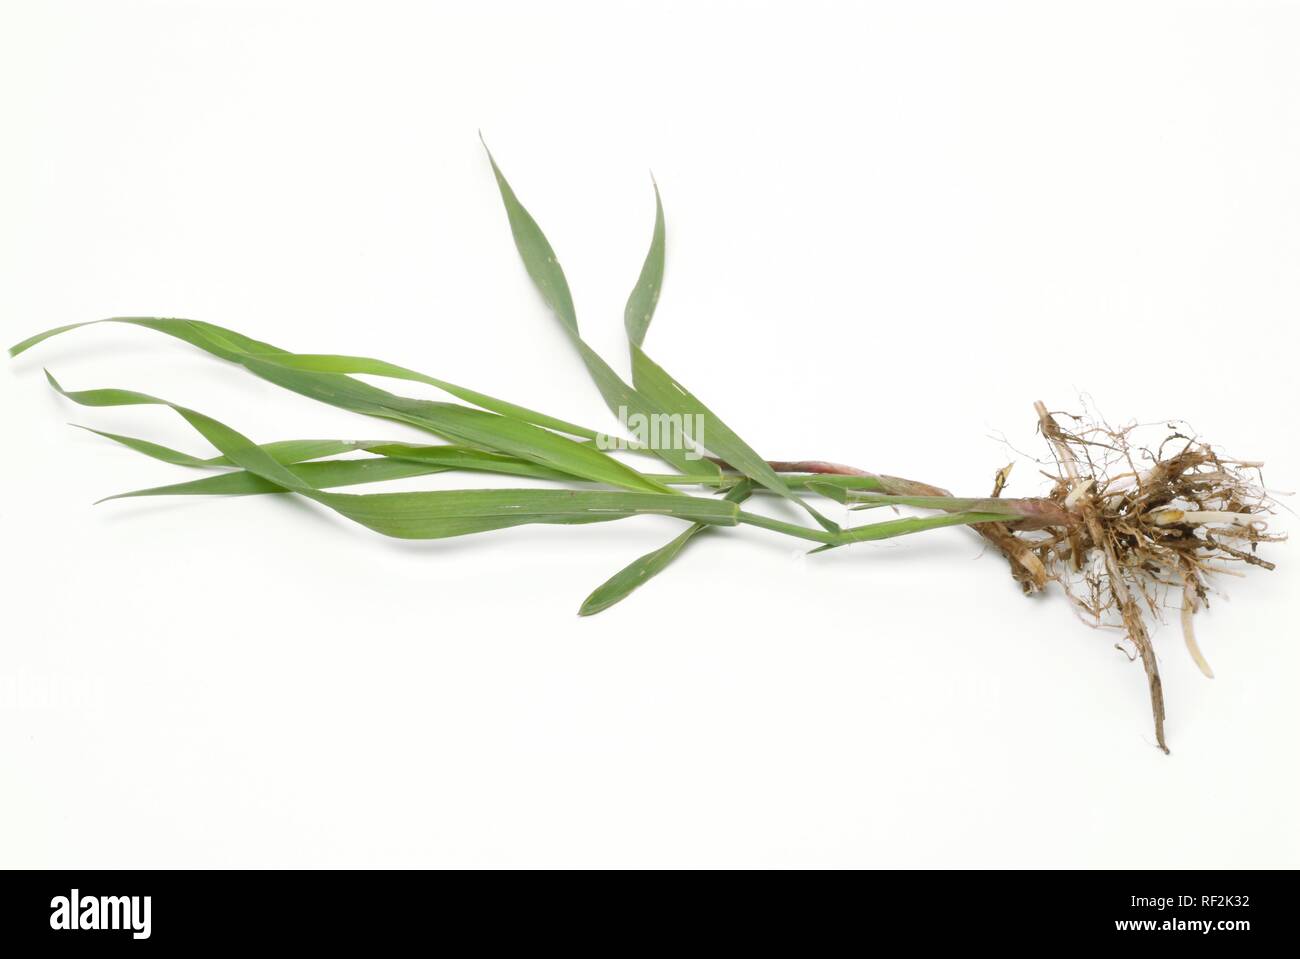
1025, 566
790, 529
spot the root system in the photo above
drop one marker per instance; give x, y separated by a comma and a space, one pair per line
1128, 531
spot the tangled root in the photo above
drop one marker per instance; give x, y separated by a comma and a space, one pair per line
1125, 527
1141, 526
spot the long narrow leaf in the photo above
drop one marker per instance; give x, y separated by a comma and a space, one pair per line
917, 524
283, 451
544, 268
949, 503
464, 458
430, 515
670, 396
643, 299
641, 570
665, 392
326, 475
460, 424
233, 345
333, 363
397, 461
153, 450
458, 512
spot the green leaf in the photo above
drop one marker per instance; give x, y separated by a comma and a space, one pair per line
397, 461
234, 445
458, 512
640, 309
226, 344
332, 363
663, 391
645, 568
284, 451
430, 515
544, 268
231, 345
326, 475
460, 424
465, 458
1003, 508
153, 450
300, 451
917, 524
536, 252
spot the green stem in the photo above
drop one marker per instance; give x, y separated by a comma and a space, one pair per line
790, 529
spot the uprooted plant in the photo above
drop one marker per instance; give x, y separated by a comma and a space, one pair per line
1124, 526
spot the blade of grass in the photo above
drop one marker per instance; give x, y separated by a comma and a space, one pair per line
460, 424
655, 383
234, 345
283, 451
872, 531
397, 461
326, 475
465, 458
666, 393
869, 500
643, 299
918, 524
234, 445
430, 515
644, 568
298, 451
153, 450
351, 472
335, 363
544, 268
221, 342
455, 513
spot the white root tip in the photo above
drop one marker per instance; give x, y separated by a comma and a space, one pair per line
1202, 517
1189, 633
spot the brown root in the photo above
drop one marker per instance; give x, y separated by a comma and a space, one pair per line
1148, 523
1124, 528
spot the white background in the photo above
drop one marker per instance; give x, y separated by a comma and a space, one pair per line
892, 227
